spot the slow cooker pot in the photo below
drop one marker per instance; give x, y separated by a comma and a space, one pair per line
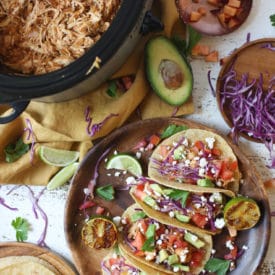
132, 20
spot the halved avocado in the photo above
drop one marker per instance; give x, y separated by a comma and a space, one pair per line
167, 71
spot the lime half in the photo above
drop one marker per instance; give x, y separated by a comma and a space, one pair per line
241, 213
57, 157
125, 162
99, 233
62, 176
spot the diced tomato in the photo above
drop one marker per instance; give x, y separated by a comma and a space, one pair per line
233, 165
216, 152
99, 210
154, 139
139, 253
199, 219
113, 261
196, 259
160, 230
140, 144
138, 241
143, 225
199, 145
86, 204
127, 82
163, 151
180, 243
171, 239
226, 174
140, 187
139, 194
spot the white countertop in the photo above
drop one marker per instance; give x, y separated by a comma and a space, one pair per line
206, 112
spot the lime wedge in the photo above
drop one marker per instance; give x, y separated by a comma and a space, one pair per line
57, 157
125, 162
62, 176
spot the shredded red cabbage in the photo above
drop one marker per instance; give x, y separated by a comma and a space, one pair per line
268, 46
36, 207
210, 83
252, 110
93, 129
30, 136
2, 202
175, 110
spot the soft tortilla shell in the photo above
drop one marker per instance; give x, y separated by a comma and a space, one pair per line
29, 264
193, 135
127, 251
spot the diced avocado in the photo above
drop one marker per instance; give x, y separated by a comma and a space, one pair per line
168, 72
167, 191
182, 267
150, 201
205, 183
163, 255
181, 217
156, 188
178, 153
194, 240
173, 259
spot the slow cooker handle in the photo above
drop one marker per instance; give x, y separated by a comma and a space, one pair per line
150, 24
18, 108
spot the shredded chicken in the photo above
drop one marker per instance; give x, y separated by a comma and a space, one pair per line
40, 36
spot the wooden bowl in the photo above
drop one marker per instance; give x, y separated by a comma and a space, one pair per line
251, 58
209, 23
87, 260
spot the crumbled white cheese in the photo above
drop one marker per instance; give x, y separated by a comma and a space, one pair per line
219, 183
109, 175
216, 197
203, 199
141, 149
116, 220
244, 247
131, 180
171, 214
229, 245
117, 174
86, 191
201, 172
196, 158
138, 155
115, 152
203, 162
159, 242
185, 142
213, 251
150, 256
187, 162
105, 160
210, 142
219, 223
124, 221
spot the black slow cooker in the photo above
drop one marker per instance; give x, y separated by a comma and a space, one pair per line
133, 19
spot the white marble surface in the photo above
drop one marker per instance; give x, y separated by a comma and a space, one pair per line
53, 202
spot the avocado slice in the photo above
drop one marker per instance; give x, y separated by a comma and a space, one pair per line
168, 72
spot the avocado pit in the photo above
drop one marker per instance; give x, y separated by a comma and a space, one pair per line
171, 74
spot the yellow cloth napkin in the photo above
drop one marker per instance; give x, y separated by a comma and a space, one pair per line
62, 125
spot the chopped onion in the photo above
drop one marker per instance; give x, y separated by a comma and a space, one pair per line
2, 202
252, 110
268, 46
30, 136
210, 83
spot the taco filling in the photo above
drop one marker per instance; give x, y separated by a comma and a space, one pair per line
198, 210
195, 157
164, 247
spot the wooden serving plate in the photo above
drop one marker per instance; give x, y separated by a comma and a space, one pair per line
28, 249
253, 59
87, 260
209, 24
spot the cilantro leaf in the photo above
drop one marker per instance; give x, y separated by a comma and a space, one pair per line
179, 195
21, 227
219, 266
112, 89
272, 19
172, 129
106, 192
15, 150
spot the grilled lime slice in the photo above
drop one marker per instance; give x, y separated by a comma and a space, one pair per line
99, 232
241, 213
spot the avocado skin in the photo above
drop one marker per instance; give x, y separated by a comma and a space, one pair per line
162, 48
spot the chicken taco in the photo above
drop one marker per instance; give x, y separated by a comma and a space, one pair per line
164, 248
199, 211
195, 158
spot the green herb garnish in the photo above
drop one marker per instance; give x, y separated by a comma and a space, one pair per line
185, 46
179, 195
21, 227
219, 266
272, 19
15, 150
173, 129
137, 216
106, 192
149, 244
112, 89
